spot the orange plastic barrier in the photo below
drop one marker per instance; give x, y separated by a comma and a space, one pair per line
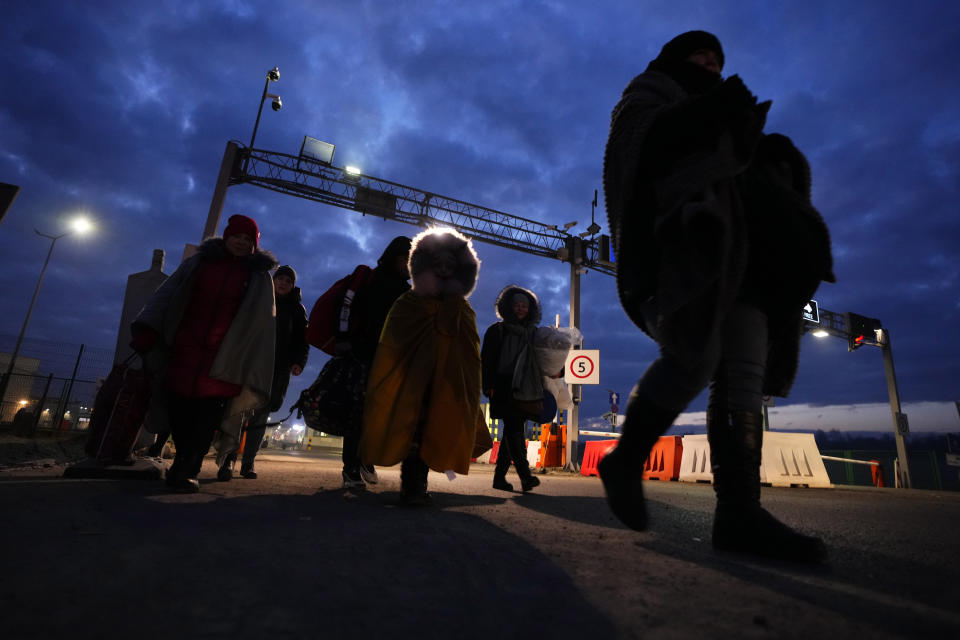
243, 441
593, 452
553, 450
493, 452
876, 473
663, 463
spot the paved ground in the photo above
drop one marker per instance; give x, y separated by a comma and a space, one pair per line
293, 555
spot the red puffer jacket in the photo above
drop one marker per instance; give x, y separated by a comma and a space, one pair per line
217, 290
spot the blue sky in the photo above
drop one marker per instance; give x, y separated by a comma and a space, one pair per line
123, 109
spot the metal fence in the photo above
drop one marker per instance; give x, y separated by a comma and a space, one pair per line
53, 384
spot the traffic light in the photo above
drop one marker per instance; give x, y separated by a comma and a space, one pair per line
861, 330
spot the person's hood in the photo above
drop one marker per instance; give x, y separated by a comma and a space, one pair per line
430, 243
504, 307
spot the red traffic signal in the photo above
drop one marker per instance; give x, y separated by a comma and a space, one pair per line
861, 330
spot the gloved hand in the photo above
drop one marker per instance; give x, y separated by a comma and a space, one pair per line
144, 338
733, 96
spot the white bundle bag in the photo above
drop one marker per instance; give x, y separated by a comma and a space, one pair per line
551, 346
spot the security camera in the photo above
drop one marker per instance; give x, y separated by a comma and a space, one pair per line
276, 104
274, 74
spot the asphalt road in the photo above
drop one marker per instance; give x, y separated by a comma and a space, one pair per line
293, 555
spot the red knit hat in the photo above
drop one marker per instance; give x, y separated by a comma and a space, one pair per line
242, 224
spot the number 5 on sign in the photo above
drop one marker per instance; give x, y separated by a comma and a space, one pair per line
582, 367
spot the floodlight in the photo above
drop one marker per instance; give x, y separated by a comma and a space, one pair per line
317, 150
819, 333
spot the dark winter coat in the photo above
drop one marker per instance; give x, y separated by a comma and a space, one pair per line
705, 210
215, 317
291, 346
490, 353
372, 303
370, 309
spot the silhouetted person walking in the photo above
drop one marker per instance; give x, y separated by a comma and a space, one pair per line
719, 248
510, 372
365, 318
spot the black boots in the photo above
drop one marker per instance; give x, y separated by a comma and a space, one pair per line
621, 470
740, 523
178, 477
413, 481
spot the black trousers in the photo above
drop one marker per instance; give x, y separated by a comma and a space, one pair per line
512, 449
192, 424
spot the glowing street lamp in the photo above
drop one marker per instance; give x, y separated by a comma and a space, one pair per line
79, 225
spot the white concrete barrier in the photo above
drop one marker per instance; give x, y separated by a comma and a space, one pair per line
789, 460
695, 460
533, 452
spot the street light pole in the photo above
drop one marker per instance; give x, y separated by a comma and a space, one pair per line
26, 321
272, 76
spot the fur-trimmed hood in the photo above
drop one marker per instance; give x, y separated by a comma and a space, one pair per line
429, 246
214, 248
504, 307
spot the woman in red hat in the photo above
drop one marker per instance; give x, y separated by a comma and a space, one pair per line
212, 323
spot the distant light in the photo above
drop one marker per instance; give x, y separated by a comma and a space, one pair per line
23, 402
81, 225
820, 333
352, 170
298, 427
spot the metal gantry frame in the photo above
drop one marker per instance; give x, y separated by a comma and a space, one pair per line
307, 178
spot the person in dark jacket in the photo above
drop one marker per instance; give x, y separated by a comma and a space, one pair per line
719, 248
213, 320
510, 372
290, 358
364, 320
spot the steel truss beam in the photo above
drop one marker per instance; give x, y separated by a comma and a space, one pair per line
307, 178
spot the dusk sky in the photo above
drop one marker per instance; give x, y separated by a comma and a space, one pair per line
122, 110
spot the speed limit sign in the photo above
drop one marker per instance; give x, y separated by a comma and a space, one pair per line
582, 367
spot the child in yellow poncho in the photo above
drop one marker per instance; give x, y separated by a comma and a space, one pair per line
422, 403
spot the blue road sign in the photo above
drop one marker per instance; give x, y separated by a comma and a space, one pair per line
614, 397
